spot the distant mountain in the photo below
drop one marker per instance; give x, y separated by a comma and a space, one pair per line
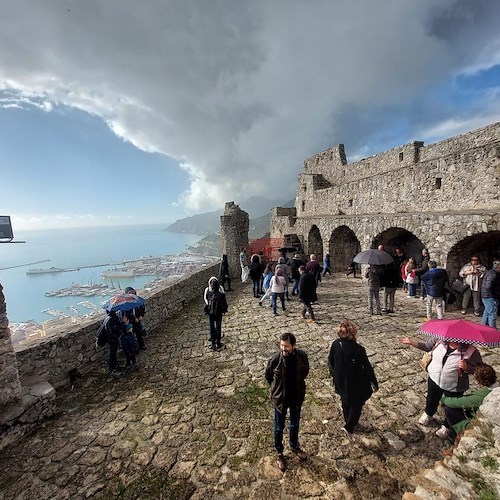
209, 222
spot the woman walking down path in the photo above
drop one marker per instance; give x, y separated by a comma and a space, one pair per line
266, 284
353, 376
255, 273
448, 371
278, 283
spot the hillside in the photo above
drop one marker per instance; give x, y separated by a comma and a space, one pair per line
209, 222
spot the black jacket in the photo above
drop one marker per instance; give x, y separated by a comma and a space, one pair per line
353, 375
276, 377
307, 288
490, 287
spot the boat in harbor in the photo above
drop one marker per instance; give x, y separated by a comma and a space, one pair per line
119, 273
45, 271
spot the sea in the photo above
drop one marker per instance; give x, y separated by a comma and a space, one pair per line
75, 248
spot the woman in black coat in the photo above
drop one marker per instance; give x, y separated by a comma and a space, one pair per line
353, 376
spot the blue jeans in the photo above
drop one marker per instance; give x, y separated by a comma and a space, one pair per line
279, 426
274, 296
215, 324
412, 289
256, 286
490, 312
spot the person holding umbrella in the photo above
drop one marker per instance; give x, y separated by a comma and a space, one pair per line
121, 302
451, 363
135, 316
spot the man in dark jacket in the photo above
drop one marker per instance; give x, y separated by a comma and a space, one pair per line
389, 280
435, 281
421, 269
490, 295
307, 293
294, 266
286, 372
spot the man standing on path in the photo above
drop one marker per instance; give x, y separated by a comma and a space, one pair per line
435, 281
286, 372
490, 295
244, 264
472, 275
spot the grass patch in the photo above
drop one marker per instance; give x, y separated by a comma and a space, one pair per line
481, 487
253, 398
153, 484
490, 463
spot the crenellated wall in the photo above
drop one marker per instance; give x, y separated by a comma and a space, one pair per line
438, 193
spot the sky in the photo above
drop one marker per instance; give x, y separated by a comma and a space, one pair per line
125, 112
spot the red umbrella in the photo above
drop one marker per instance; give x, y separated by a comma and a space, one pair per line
462, 331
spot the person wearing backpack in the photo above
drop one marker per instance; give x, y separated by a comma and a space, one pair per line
135, 317
215, 307
115, 330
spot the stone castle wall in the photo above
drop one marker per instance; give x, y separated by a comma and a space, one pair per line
440, 196
449, 175
51, 358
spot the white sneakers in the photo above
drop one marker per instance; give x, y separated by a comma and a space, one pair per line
424, 419
348, 434
443, 432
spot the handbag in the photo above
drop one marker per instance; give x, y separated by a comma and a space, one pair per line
426, 360
449, 297
459, 286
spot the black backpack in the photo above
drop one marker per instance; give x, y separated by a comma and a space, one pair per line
217, 303
102, 335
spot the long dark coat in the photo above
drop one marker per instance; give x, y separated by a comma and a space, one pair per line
353, 375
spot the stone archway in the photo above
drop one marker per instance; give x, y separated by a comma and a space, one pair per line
485, 245
343, 246
399, 237
315, 243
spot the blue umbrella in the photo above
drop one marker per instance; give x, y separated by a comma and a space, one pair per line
123, 302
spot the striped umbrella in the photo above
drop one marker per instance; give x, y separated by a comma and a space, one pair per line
462, 331
123, 302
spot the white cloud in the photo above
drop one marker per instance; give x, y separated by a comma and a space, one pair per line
241, 92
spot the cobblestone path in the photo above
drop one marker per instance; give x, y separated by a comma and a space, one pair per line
192, 423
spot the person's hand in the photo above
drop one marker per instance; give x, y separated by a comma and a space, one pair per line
462, 364
405, 340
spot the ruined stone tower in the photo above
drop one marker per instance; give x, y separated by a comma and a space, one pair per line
234, 226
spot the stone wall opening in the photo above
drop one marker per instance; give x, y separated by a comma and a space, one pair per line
485, 245
343, 246
399, 237
315, 243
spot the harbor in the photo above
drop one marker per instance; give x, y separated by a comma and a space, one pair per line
75, 303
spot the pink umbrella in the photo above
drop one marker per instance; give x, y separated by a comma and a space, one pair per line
462, 331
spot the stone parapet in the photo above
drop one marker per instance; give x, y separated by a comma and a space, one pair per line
10, 386
51, 358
